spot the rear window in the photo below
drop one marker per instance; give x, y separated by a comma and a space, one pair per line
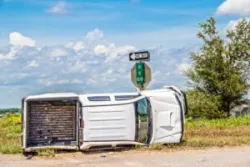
121, 98
99, 98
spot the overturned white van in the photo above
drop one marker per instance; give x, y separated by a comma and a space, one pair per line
103, 121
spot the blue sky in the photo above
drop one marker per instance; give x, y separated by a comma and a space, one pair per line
82, 45
115, 18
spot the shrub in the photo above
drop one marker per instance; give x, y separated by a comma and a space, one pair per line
204, 106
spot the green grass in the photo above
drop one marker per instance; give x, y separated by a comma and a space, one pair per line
198, 134
10, 134
219, 123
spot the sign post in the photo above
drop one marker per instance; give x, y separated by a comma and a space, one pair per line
141, 72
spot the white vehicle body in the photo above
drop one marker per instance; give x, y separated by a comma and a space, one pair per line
103, 120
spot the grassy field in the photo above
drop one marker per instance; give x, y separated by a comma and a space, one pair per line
198, 134
10, 132
222, 132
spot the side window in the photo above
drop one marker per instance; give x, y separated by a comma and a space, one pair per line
142, 107
142, 113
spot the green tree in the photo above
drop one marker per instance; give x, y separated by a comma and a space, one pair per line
221, 67
202, 105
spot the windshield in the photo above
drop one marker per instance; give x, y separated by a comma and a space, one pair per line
143, 111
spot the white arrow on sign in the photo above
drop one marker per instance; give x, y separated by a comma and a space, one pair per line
132, 56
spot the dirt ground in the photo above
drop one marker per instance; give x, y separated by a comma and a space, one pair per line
216, 157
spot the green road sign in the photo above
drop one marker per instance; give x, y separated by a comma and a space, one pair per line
140, 73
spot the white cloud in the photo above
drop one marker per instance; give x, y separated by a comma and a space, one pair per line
76, 46
96, 34
70, 44
18, 39
93, 62
91, 81
233, 23
108, 77
5, 57
121, 70
21, 75
110, 71
77, 67
63, 81
53, 81
33, 63
159, 77
115, 52
58, 52
235, 7
77, 81
184, 67
46, 82
11, 55
58, 8
2, 57
101, 50
112, 51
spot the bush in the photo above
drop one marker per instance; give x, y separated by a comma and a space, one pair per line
204, 106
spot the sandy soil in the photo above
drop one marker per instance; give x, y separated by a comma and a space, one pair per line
216, 157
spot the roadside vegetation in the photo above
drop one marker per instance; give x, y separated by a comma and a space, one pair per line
10, 134
217, 133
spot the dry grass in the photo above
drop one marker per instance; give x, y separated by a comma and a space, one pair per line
222, 132
158, 146
46, 153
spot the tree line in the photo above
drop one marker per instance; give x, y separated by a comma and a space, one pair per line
10, 110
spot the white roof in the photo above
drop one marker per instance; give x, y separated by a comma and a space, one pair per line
52, 95
84, 97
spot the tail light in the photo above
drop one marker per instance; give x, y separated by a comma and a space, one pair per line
82, 123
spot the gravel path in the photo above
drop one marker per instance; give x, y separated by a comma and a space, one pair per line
216, 157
